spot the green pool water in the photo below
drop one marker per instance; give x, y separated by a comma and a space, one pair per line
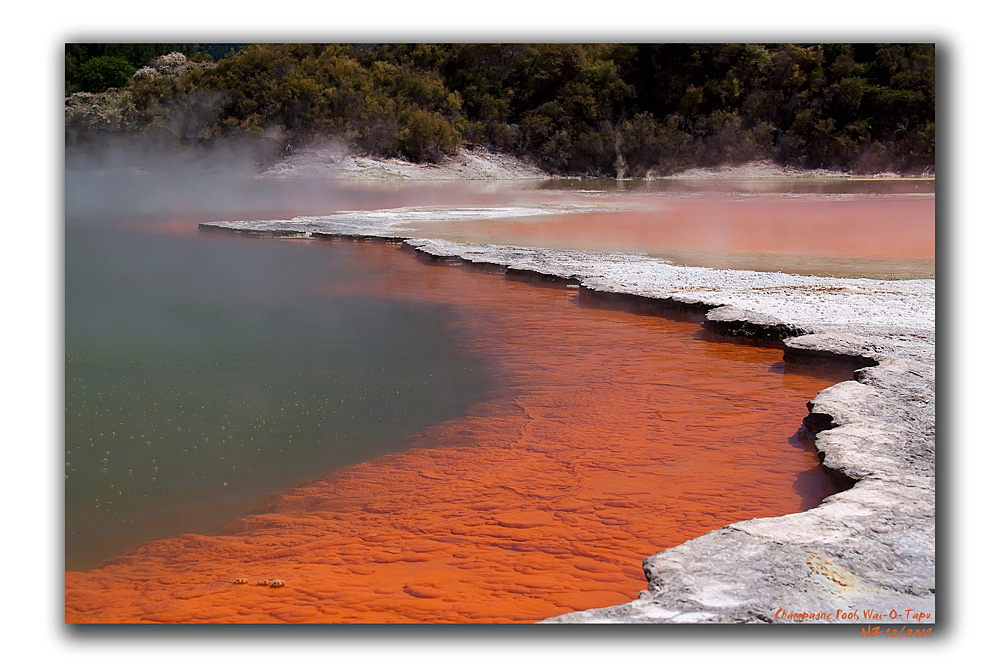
204, 374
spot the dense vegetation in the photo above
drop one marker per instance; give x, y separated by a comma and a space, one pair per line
597, 109
125, 57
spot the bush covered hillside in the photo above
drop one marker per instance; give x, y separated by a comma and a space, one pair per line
587, 109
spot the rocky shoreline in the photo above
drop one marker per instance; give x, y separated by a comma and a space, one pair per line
866, 554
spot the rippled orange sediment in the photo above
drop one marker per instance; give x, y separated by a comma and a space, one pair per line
609, 437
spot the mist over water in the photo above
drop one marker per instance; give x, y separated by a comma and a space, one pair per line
205, 373
132, 182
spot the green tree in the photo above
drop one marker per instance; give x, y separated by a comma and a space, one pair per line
99, 74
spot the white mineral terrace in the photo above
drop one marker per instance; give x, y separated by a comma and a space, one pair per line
395, 221
871, 547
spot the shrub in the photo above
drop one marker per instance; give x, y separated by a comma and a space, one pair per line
426, 136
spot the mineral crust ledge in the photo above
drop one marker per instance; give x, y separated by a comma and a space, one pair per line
866, 554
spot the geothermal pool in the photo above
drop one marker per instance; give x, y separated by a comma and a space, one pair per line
202, 375
397, 441
847, 229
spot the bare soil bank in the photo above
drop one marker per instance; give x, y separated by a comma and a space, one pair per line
481, 164
330, 162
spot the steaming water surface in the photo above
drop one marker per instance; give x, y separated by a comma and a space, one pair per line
203, 374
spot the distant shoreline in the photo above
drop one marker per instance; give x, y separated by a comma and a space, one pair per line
483, 164
332, 161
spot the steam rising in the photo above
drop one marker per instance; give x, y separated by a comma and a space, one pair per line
137, 180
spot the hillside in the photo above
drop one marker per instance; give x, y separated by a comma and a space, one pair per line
624, 110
